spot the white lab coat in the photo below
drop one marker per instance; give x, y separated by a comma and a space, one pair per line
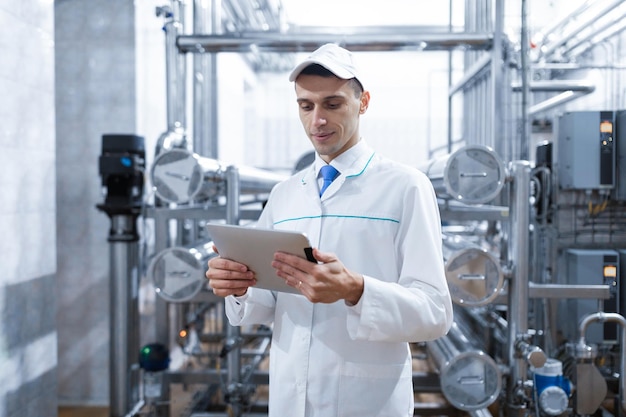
381, 219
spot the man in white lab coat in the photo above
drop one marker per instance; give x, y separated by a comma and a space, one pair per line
341, 348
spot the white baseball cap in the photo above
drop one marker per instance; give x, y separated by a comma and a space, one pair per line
334, 58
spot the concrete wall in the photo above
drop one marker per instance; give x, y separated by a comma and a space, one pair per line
95, 94
28, 326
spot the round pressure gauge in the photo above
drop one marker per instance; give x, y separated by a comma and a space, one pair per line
474, 175
179, 176
474, 276
178, 273
471, 381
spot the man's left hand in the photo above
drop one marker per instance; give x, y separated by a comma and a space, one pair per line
324, 282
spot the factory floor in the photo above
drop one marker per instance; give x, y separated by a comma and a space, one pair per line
181, 397
83, 412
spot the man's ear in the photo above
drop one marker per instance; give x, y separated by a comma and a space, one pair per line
365, 101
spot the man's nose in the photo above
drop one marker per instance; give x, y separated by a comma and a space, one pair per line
319, 118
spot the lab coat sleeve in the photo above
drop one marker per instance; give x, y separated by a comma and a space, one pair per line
417, 307
257, 305
254, 307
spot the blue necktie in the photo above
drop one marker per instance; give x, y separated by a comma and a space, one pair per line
329, 173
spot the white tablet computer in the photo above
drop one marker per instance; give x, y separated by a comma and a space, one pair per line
255, 248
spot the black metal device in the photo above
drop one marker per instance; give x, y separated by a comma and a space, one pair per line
122, 167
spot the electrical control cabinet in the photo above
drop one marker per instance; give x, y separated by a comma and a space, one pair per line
591, 267
620, 156
586, 150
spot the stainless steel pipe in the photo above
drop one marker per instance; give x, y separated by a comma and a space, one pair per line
470, 379
178, 273
474, 275
473, 174
619, 319
124, 313
180, 176
518, 251
303, 42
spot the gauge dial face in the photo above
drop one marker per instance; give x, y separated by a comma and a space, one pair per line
176, 176
471, 381
474, 277
177, 274
474, 175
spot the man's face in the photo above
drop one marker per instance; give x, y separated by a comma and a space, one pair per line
329, 112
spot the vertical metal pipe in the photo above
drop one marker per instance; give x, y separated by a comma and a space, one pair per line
482, 108
464, 93
175, 68
462, 116
161, 241
509, 116
497, 86
474, 122
478, 106
233, 333
518, 252
450, 96
124, 313
207, 20
525, 46
488, 93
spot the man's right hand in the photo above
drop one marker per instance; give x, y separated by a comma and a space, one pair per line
228, 277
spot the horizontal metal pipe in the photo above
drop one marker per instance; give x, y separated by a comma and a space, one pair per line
179, 176
536, 290
473, 174
565, 66
303, 42
555, 101
465, 369
561, 291
556, 86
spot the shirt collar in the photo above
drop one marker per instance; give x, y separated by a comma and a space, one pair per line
344, 162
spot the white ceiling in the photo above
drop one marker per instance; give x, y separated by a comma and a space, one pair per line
367, 12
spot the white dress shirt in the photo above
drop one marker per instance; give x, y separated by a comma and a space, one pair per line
382, 220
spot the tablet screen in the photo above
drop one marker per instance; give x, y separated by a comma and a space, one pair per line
255, 247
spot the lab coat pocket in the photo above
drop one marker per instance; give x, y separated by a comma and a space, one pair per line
375, 390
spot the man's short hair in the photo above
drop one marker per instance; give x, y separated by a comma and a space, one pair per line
317, 69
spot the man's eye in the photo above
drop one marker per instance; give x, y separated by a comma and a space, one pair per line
305, 107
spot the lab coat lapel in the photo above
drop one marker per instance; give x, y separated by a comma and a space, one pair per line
308, 182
